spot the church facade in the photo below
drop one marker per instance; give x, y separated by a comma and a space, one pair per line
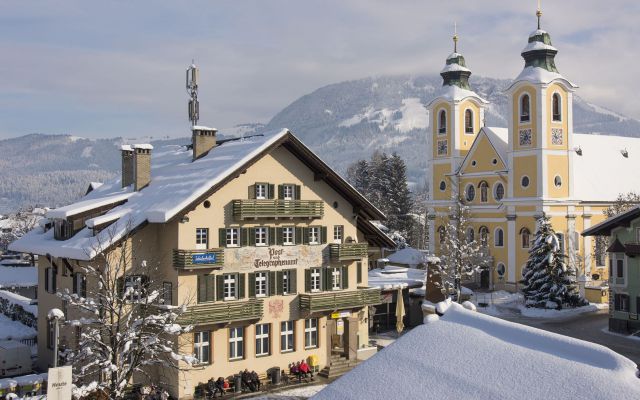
508, 177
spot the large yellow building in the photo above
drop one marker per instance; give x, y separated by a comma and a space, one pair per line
510, 176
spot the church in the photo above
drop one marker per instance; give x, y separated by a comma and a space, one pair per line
508, 177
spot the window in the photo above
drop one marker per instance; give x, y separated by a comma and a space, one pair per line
236, 343
233, 237
202, 346
80, 284
261, 191
314, 235
336, 278
443, 186
470, 193
500, 269
286, 336
484, 188
557, 181
524, 181
167, 293
524, 108
262, 340
287, 192
470, 235
441, 234
499, 238
619, 278
261, 284
525, 236
556, 106
288, 236
621, 302
202, 238
468, 121
316, 283
133, 287
338, 233
287, 282
484, 236
442, 122
499, 191
311, 333
229, 286
50, 280
262, 236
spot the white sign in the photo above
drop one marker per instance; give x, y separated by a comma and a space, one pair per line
59, 383
340, 327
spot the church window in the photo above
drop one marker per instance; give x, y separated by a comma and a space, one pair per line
443, 185
499, 238
484, 188
442, 122
556, 106
441, 234
470, 193
468, 121
470, 235
484, 236
525, 181
557, 181
500, 269
525, 108
499, 191
525, 235
494, 161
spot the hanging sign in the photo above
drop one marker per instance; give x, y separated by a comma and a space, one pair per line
340, 314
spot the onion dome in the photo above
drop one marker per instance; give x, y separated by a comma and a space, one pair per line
455, 72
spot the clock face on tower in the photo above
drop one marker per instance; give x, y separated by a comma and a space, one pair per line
525, 137
556, 136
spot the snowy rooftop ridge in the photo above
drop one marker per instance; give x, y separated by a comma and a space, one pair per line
537, 46
541, 76
454, 68
456, 94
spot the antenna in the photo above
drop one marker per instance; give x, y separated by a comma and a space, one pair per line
193, 73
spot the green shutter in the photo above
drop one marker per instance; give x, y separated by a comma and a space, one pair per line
55, 280
272, 283
281, 191
240, 280
296, 192
46, 279
323, 235
270, 191
211, 287
252, 191
293, 282
75, 283
220, 287
279, 285
344, 274
325, 278
251, 236
305, 235
307, 280
252, 284
279, 238
244, 236
272, 236
299, 235
359, 271
202, 289
222, 237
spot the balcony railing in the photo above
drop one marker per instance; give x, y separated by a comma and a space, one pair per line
194, 259
274, 209
332, 301
348, 251
223, 312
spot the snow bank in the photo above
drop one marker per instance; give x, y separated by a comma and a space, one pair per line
465, 354
14, 330
409, 256
22, 301
393, 277
18, 276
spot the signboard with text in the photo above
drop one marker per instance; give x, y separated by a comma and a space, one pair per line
59, 383
203, 258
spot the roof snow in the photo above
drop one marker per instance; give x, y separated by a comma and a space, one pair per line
540, 75
453, 55
453, 68
202, 128
537, 32
531, 46
409, 256
144, 146
499, 359
126, 147
392, 277
90, 204
499, 138
455, 93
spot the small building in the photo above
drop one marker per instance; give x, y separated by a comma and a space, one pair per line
412, 258
391, 280
16, 358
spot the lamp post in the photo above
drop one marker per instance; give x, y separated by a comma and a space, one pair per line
56, 315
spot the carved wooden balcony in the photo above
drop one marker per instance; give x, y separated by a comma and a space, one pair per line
197, 259
223, 312
339, 300
348, 251
276, 209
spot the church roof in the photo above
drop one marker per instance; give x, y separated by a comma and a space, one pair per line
499, 138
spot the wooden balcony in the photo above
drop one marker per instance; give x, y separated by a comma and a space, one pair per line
275, 209
196, 259
348, 251
339, 300
223, 312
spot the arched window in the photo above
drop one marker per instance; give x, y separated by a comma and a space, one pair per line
525, 236
557, 107
468, 121
499, 238
484, 189
499, 191
525, 108
484, 236
442, 122
500, 269
470, 235
441, 234
443, 185
470, 193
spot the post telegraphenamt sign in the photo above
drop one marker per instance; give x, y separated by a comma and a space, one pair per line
59, 383
273, 257
275, 260
204, 258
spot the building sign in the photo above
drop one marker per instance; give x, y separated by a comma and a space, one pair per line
59, 383
204, 258
340, 327
387, 298
340, 314
275, 260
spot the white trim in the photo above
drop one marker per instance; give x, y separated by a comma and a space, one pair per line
522, 178
511, 251
556, 91
488, 220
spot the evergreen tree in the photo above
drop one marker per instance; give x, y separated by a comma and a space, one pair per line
399, 200
547, 277
358, 176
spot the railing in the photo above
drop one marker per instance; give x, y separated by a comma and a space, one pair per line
253, 209
348, 251
332, 301
223, 312
194, 259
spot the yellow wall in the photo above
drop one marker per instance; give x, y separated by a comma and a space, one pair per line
557, 165
483, 154
466, 139
563, 124
434, 123
440, 172
532, 124
525, 165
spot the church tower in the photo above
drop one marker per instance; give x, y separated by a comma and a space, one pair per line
540, 124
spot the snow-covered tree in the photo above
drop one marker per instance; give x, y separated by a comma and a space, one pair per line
547, 278
20, 222
358, 176
623, 203
126, 327
461, 254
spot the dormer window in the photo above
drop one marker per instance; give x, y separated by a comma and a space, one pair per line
525, 108
442, 122
468, 121
556, 107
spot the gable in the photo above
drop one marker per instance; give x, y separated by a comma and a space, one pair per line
483, 153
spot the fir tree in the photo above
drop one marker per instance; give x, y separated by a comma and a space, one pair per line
399, 200
358, 176
547, 277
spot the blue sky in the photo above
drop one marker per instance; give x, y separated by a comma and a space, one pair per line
116, 68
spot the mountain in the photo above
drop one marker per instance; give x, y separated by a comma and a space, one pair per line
342, 122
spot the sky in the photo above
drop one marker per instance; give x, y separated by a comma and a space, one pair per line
117, 68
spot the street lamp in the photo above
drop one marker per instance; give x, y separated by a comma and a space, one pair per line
56, 315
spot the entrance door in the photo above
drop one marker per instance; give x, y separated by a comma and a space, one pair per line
484, 278
337, 336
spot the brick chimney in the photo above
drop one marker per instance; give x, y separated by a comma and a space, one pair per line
141, 165
127, 165
203, 139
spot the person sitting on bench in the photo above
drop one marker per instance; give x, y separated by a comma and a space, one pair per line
305, 370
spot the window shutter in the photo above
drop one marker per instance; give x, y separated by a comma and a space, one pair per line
305, 236
83, 291
202, 288
359, 271
324, 278
344, 274
211, 287
270, 191
55, 280
222, 237
252, 284
252, 191
296, 192
74, 277
244, 236
251, 235
240, 281
293, 282
279, 238
299, 235
220, 287
279, 283
272, 236
323, 235
307, 280
281, 191
272, 283
47, 272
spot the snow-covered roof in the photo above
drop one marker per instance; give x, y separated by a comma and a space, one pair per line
22, 301
542, 76
535, 45
143, 146
409, 256
456, 94
18, 276
597, 173
14, 330
202, 128
454, 67
499, 138
465, 354
537, 32
393, 277
90, 204
126, 147
453, 55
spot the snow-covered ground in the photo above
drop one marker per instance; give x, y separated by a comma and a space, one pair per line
14, 330
293, 394
25, 302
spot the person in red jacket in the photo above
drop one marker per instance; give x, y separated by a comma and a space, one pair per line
305, 369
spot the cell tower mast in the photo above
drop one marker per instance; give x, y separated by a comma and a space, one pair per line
193, 74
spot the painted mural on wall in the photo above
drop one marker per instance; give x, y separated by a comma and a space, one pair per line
274, 257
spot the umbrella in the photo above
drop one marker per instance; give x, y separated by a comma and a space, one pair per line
400, 312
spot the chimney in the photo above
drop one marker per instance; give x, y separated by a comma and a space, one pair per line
141, 165
127, 165
203, 139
